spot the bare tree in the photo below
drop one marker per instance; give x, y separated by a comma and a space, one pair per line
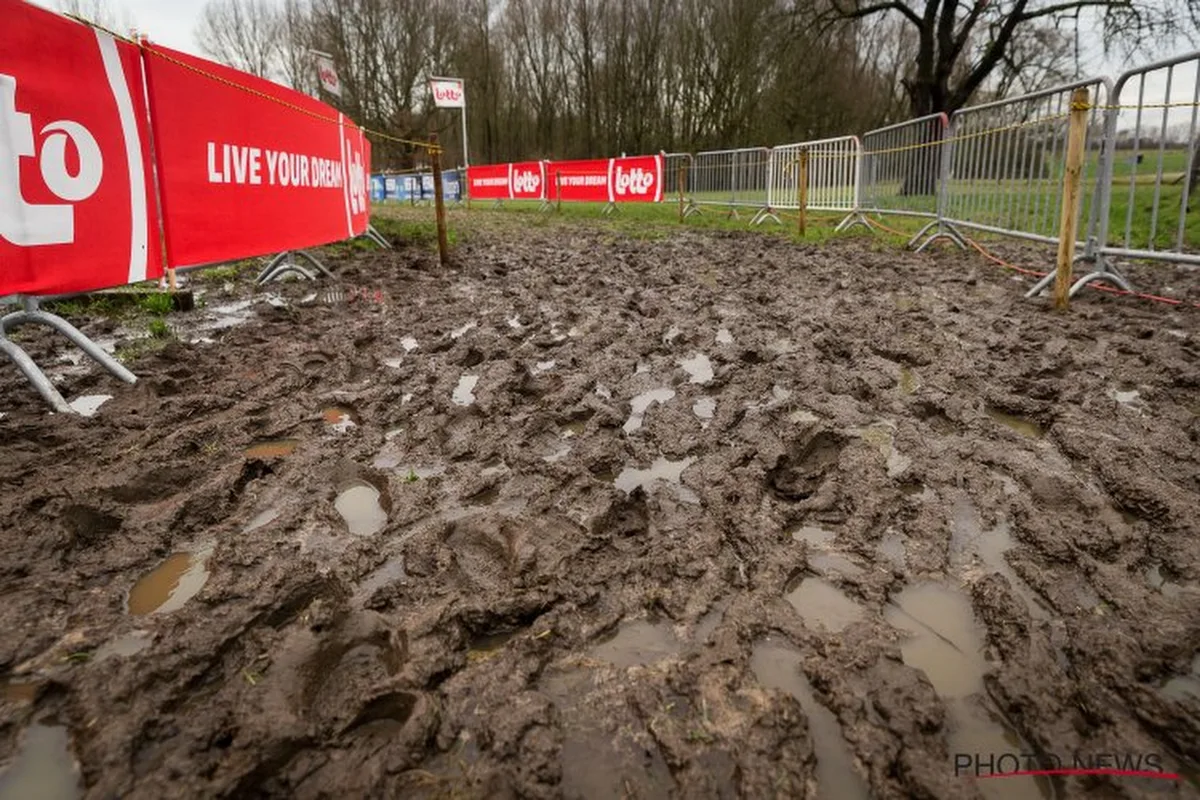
245, 34
99, 12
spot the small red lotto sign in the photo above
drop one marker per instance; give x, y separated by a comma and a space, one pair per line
447, 92
76, 208
527, 180
637, 179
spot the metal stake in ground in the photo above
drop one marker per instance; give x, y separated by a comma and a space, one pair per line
1076, 137
680, 178
435, 157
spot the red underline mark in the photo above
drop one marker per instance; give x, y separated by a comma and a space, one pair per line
1120, 773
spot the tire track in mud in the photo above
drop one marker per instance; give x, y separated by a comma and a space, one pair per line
560, 603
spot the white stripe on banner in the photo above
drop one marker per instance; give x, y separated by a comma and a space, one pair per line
345, 177
138, 227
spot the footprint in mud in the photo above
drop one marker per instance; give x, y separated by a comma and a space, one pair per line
44, 767
638, 642
800, 472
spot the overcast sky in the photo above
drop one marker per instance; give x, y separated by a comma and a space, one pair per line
173, 22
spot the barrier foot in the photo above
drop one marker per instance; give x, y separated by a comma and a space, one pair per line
852, 219
375, 236
609, 209
763, 215
948, 233
278, 267
32, 314
1102, 274
917, 236
545, 207
691, 210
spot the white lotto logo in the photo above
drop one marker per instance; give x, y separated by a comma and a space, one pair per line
526, 182
636, 181
25, 224
358, 184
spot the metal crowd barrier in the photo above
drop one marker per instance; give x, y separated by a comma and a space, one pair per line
833, 176
1003, 164
901, 165
1152, 169
731, 178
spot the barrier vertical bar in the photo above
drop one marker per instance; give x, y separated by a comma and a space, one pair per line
802, 188
435, 156
1071, 175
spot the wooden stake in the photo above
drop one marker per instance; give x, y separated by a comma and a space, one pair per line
802, 188
171, 285
1076, 136
680, 177
439, 201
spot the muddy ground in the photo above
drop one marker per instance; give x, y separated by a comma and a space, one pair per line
710, 515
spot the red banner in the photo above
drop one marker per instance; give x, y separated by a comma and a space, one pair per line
488, 183
247, 167
527, 180
637, 179
76, 208
579, 181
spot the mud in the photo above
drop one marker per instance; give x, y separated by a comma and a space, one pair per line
498, 531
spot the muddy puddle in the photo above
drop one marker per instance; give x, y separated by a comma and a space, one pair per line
464, 392
942, 638
641, 404
698, 368
704, 409
662, 470
823, 605
20, 691
124, 646
975, 551
776, 665
89, 404
361, 507
171, 584
724, 336
637, 642
44, 768
262, 519
1026, 427
275, 448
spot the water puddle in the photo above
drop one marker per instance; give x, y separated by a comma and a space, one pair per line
464, 394
275, 448
641, 404
339, 418
820, 603
724, 336
561, 452
1155, 580
262, 519
409, 344
359, 504
891, 548
671, 335
813, 536
835, 563
642, 368
574, 428
704, 409
458, 333
638, 642
1124, 398
392, 571
542, 366
698, 368
171, 584
662, 469
972, 550
1021, 425
944, 640
1184, 688
393, 363
514, 322
89, 404
908, 381
124, 646
44, 768
882, 436
777, 666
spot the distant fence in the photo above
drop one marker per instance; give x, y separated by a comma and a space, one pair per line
415, 187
